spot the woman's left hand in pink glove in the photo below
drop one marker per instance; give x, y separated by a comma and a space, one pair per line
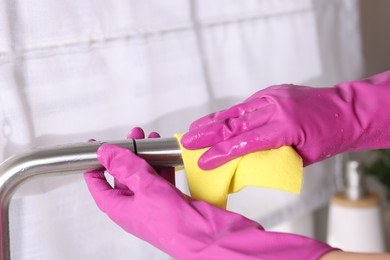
153, 209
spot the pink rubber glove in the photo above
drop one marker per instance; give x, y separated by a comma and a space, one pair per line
317, 122
151, 208
168, 173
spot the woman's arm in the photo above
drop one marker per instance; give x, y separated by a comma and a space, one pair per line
340, 255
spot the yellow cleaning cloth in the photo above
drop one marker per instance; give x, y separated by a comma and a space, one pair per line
277, 168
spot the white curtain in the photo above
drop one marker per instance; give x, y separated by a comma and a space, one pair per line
72, 70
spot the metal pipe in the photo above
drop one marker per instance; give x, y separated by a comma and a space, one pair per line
76, 158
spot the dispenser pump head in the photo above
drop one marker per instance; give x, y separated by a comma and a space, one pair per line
355, 187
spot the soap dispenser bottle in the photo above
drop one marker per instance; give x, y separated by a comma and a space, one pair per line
354, 220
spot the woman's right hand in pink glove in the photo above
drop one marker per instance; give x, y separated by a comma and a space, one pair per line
317, 122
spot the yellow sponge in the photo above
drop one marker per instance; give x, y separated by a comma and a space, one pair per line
277, 168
